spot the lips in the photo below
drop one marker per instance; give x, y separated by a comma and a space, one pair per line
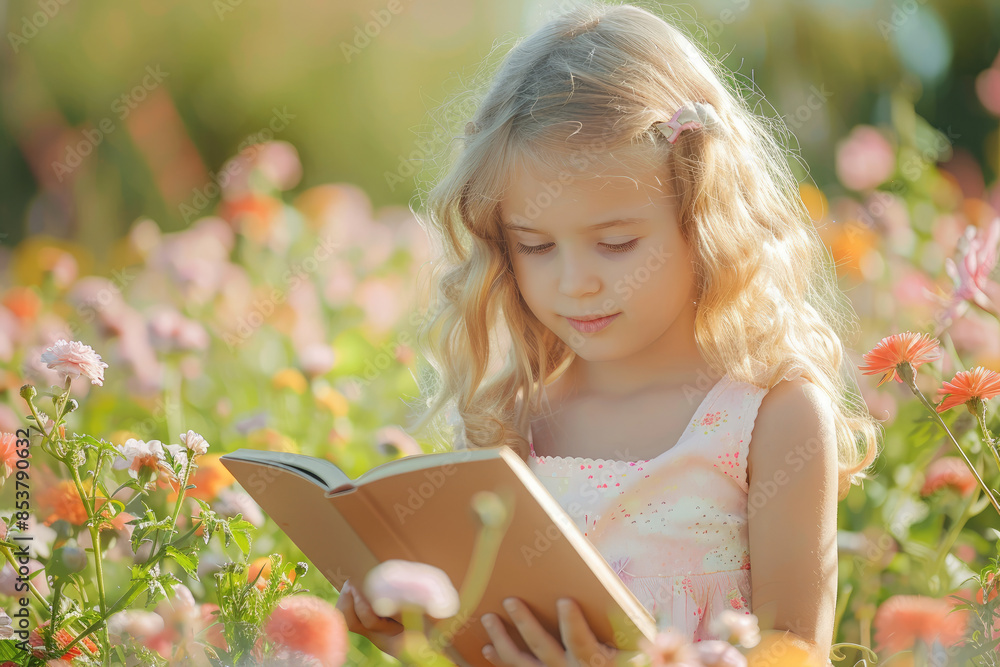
590, 318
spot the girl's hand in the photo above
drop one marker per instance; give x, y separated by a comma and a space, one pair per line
581, 646
386, 633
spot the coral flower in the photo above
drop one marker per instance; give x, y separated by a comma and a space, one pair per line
898, 349
312, 626
951, 472
977, 383
903, 620
73, 359
62, 639
62, 501
8, 453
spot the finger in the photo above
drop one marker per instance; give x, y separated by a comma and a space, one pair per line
503, 651
345, 603
576, 634
370, 619
543, 645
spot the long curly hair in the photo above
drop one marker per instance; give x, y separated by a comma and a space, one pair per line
589, 83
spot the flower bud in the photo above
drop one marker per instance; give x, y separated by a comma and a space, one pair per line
66, 560
28, 392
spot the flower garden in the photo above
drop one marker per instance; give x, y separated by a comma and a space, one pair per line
281, 320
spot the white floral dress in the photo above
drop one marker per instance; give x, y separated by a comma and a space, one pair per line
673, 527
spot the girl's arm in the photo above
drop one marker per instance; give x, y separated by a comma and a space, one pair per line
792, 512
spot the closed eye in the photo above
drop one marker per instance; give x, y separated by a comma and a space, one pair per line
541, 249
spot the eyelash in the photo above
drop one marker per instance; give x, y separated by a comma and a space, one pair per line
536, 249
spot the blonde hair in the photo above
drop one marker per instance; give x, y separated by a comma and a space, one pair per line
768, 301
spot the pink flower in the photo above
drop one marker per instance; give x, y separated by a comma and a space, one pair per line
717, 653
670, 649
309, 625
949, 472
73, 359
394, 583
988, 87
971, 275
864, 159
316, 359
169, 331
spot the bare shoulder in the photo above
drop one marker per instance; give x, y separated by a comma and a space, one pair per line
795, 422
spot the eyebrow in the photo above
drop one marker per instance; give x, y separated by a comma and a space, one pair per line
600, 225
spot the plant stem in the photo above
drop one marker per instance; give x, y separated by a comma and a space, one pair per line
31, 587
990, 440
95, 538
954, 531
934, 412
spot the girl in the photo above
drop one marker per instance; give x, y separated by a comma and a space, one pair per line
633, 296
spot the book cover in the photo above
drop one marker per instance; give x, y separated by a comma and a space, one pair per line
419, 508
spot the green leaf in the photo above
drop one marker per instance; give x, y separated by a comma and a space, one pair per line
187, 561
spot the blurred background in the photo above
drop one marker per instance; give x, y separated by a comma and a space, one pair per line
149, 98
216, 196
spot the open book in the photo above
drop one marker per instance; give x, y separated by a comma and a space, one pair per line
418, 508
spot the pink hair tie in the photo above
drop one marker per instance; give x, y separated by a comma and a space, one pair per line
690, 116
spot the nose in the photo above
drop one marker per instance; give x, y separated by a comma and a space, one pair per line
578, 276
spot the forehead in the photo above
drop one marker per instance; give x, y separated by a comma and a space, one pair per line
604, 184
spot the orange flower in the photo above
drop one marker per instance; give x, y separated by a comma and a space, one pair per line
289, 378
310, 625
210, 478
978, 383
898, 349
263, 565
61, 501
23, 302
62, 638
902, 620
951, 472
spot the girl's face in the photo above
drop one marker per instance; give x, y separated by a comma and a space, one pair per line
570, 264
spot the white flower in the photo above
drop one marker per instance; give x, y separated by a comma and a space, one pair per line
137, 454
135, 623
736, 628
6, 629
195, 443
73, 359
178, 458
394, 583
